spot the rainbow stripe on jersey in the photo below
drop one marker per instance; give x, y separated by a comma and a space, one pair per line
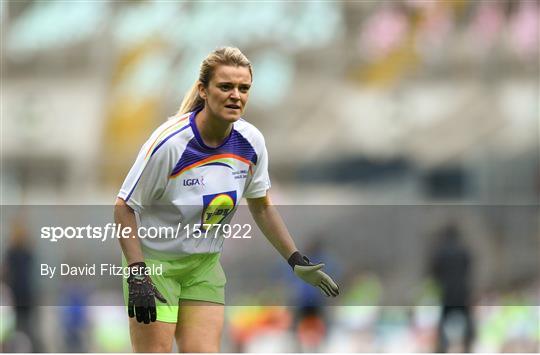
236, 148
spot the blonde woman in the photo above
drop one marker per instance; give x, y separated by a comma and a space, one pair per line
193, 171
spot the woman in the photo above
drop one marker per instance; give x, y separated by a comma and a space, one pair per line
202, 161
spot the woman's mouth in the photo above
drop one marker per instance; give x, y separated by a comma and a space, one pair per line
233, 107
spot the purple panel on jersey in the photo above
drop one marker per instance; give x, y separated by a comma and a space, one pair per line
196, 150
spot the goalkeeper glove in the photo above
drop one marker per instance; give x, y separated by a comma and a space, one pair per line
141, 302
312, 274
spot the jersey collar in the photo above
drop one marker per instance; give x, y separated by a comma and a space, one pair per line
198, 135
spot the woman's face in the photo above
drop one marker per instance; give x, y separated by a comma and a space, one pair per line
227, 93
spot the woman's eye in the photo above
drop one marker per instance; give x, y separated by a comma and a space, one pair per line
225, 87
244, 89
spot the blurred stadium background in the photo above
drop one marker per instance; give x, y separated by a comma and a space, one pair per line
396, 104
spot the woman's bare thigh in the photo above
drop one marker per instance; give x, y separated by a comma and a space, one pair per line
199, 327
153, 337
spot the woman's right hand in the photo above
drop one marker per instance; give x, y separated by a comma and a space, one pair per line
142, 291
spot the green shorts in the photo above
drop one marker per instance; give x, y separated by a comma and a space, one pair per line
197, 277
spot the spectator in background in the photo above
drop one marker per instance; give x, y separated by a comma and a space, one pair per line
74, 318
17, 272
451, 269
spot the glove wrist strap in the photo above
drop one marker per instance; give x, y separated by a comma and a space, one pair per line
136, 270
297, 259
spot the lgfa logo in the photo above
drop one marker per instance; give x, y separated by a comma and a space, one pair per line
194, 182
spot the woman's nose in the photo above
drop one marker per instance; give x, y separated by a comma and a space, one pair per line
235, 93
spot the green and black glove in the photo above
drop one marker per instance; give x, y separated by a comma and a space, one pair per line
142, 291
312, 274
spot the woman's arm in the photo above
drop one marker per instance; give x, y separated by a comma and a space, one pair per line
125, 217
269, 221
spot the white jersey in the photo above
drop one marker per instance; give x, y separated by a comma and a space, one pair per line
180, 183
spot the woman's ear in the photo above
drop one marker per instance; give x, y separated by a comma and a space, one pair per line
202, 90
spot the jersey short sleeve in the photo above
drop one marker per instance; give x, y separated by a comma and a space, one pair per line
260, 181
148, 177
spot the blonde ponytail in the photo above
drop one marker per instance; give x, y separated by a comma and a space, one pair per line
191, 100
221, 56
